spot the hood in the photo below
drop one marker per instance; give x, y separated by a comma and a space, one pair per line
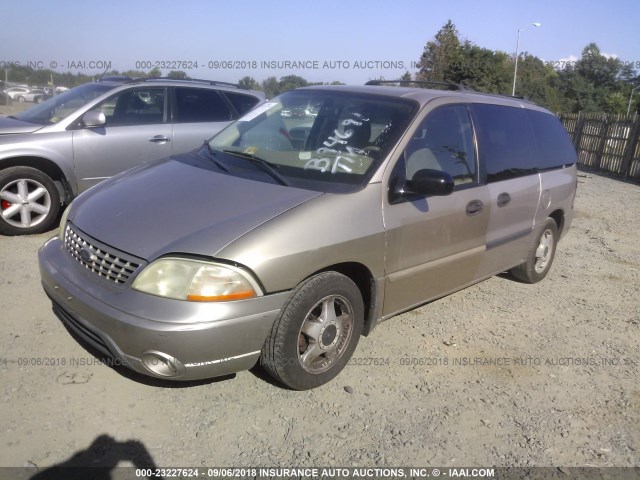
180, 205
13, 125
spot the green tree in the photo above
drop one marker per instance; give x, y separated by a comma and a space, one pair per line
599, 70
291, 82
134, 74
579, 93
616, 103
592, 83
40, 77
155, 73
270, 87
536, 82
249, 83
441, 56
177, 74
483, 69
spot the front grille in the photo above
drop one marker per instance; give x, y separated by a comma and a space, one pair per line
106, 262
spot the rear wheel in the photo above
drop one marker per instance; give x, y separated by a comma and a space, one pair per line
316, 332
29, 201
540, 256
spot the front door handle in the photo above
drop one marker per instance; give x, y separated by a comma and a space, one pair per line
161, 139
474, 207
503, 199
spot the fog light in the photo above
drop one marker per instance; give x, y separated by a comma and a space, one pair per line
162, 364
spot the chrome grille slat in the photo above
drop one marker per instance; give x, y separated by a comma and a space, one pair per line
110, 265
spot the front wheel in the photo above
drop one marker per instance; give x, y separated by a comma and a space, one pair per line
29, 201
316, 332
540, 256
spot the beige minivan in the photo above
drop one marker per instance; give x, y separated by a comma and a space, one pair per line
286, 237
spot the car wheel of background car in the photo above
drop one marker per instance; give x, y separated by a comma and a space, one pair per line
540, 256
21, 99
316, 332
29, 201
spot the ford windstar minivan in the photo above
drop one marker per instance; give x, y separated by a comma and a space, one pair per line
285, 238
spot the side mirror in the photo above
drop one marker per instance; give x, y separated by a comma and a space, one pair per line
94, 119
430, 182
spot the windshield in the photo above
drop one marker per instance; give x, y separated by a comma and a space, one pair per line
320, 139
59, 107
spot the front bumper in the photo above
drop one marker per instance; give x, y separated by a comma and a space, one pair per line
198, 340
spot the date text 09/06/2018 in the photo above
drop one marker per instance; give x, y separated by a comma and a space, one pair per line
314, 472
231, 64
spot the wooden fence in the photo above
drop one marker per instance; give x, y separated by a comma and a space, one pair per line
606, 143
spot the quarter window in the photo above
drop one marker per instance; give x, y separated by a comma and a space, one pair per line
242, 103
554, 144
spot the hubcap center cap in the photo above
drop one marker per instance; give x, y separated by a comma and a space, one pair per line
328, 336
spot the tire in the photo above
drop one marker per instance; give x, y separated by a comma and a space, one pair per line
21, 99
540, 256
29, 201
315, 333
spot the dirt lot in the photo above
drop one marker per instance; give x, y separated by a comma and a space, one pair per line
14, 107
503, 374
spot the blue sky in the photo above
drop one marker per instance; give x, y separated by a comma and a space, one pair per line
346, 31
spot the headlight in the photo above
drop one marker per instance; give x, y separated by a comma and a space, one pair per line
196, 281
63, 222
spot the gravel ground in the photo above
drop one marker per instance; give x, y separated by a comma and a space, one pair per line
500, 374
14, 107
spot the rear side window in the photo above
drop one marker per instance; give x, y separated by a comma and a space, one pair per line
554, 144
200, 105
506, 145
242, 103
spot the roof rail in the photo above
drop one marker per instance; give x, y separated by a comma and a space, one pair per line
114, 78
195, 80
450, 85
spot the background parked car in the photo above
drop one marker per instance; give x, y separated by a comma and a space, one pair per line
36, 95
80, 137
15, 93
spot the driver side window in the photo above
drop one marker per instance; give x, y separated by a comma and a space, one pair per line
140, 106
444, 142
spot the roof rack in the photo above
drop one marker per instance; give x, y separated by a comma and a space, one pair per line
450, 85
115, 78
195, 80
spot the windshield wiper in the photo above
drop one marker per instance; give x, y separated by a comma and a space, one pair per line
267, 167
213, 159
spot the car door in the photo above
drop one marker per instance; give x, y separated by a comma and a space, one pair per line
435, 244
507, 149
198, 114
136, 131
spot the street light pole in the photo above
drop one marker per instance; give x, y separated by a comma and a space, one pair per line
515, 71
630, 97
